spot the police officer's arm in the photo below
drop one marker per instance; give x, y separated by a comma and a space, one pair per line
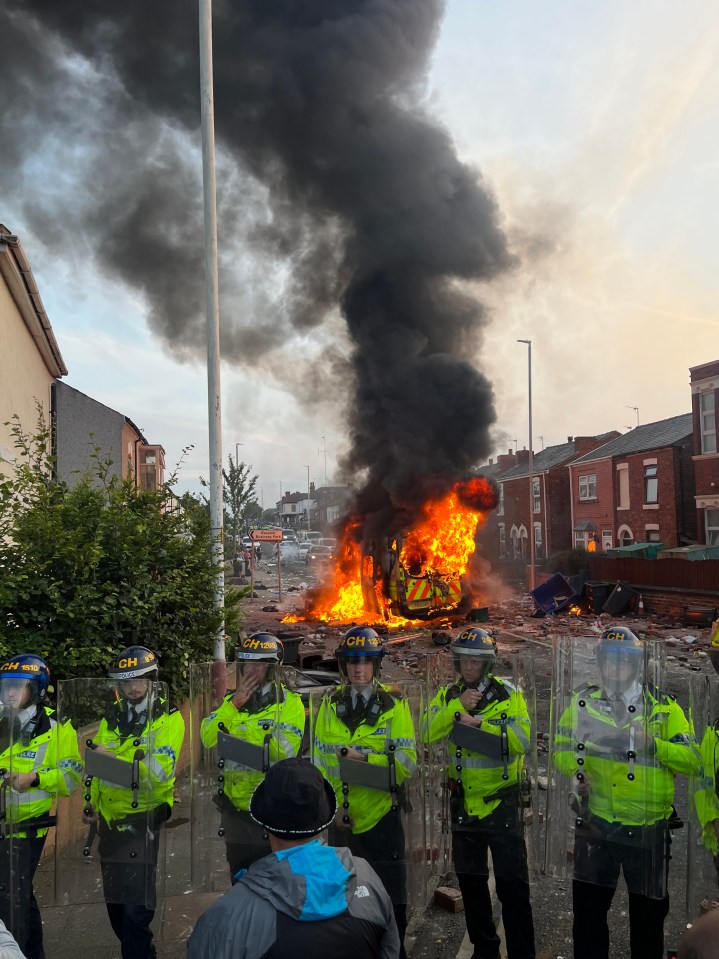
225, 713
439, 718
564, 747
675, 746
167, 737
403, 737
287, 741
705, 797
61, 773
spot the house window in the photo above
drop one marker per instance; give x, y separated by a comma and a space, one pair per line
711, 520
651, 484
536, 505
538, 553
500, 505
652, 536
707, 422
523, 540
623, 478
625, 536
502, 541
580, 540
588, 487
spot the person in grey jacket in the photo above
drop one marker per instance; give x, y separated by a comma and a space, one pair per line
9, 948
305, 898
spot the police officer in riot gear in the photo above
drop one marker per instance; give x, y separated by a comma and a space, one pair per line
622, 741
486, 781
357, 722
129, 822
39, 760
260, 710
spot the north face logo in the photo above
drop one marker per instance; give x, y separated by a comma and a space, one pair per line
361, 892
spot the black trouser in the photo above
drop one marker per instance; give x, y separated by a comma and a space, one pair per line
128, 860
599, 855
502, 834
245, 841
383, 846
18, 905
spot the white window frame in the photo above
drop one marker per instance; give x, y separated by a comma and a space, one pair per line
502, 540
500, 504
707, 422
621, 532
588, 487
536, 498
607, 539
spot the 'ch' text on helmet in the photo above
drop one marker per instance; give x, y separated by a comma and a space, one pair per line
30, 668
260, 647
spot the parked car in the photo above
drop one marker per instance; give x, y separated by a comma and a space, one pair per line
288, 550
246, 542
318, 556
330, 542
289, 535
305, 546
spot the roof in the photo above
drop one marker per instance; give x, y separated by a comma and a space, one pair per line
650, 436
543, 461
16, 271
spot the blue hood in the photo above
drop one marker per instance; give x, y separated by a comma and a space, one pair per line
309, 882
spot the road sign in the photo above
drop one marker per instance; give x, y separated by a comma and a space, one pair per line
266, 535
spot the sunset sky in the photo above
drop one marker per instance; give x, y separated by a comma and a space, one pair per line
597, 128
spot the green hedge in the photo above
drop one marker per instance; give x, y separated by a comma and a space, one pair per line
88, 570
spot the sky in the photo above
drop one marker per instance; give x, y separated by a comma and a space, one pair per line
597, 129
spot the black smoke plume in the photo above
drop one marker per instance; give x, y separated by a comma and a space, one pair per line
333, 173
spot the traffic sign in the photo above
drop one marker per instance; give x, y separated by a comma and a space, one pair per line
266, 535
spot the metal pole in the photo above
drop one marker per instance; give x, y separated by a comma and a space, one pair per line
308, 499
212, 298
531, 467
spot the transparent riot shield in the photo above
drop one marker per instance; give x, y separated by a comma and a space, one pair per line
368, 749
18, 827
112, 826
490, 766
234, 741
609, 796
703, 805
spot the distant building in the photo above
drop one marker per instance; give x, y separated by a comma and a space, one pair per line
637, 488
551, 512
82, 425
30, 359
705, 403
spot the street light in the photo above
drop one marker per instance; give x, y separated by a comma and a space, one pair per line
308, 499
531, 467
237, 453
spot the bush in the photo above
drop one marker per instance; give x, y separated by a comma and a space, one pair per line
571, 562
89, 570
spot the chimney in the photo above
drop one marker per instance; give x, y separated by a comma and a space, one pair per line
312, 490
506, 461
585, 444
523, 456
491, 461
570, 439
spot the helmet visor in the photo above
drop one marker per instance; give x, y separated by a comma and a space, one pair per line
619, 670
358, 670
473, 668
17, 692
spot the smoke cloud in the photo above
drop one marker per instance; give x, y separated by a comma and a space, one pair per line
337, 185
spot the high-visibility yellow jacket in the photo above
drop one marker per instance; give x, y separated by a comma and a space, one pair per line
161, 740
394, 726
285, 721
53, 755
599, 733
705, 797
483, 776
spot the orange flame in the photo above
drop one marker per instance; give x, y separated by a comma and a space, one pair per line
437, 547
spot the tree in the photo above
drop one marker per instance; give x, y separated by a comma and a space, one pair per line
239, 501
90, 570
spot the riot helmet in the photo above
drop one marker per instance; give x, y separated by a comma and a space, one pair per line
620, 655
359, 642
474, 652
261, 647
134, 669
25, 671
